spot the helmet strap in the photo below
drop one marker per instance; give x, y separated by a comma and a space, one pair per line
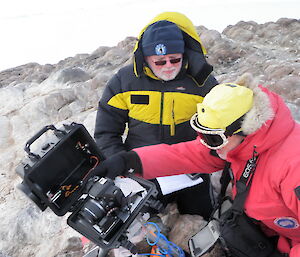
236, 125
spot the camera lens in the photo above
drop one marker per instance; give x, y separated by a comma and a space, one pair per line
93, 210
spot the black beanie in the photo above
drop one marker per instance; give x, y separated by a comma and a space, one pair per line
161, 38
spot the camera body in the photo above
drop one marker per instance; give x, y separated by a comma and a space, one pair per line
56, 175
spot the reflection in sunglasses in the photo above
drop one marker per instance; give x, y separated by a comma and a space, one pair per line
163, 62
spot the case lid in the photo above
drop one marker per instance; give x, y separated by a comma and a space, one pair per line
56, 174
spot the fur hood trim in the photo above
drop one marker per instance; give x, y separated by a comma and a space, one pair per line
261, 110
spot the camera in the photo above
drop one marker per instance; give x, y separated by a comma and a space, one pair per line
58, 175
103, 210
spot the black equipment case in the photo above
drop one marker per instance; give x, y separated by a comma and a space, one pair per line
55, 176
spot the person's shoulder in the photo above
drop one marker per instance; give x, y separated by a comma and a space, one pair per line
126, 74
128, 69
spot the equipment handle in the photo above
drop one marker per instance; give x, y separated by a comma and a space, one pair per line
36, 136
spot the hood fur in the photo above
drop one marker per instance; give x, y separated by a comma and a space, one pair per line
261, 111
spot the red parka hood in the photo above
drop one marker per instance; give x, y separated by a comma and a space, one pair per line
268, 125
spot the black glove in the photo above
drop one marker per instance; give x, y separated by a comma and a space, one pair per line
119, 164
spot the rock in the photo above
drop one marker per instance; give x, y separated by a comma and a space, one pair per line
115, 56
100, 80
30, 72
77, 107
127, 44
6, 133
99, 52
12, 99
210, 37
4, 255
72, 75
73, 248
184, 228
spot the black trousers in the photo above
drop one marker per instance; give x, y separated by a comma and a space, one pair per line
197, 199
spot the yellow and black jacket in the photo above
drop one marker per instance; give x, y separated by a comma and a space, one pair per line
156, 111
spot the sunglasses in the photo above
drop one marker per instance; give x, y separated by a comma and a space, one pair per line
163, 62
212, 138
213, 141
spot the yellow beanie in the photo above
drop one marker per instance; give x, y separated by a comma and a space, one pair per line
223, 105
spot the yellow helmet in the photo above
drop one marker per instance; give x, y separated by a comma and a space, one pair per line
223, 105
220, 114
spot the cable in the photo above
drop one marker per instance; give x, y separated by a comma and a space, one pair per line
165, 247
95, 165
153, 254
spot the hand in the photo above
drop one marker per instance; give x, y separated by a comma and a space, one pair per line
119, 164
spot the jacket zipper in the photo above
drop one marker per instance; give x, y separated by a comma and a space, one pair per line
172, 125
161, 116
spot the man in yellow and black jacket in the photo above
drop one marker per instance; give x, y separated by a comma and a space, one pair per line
156, 97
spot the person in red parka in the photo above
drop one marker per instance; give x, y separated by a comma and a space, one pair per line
233, 121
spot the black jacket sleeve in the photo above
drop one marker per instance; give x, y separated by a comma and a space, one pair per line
110, 121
